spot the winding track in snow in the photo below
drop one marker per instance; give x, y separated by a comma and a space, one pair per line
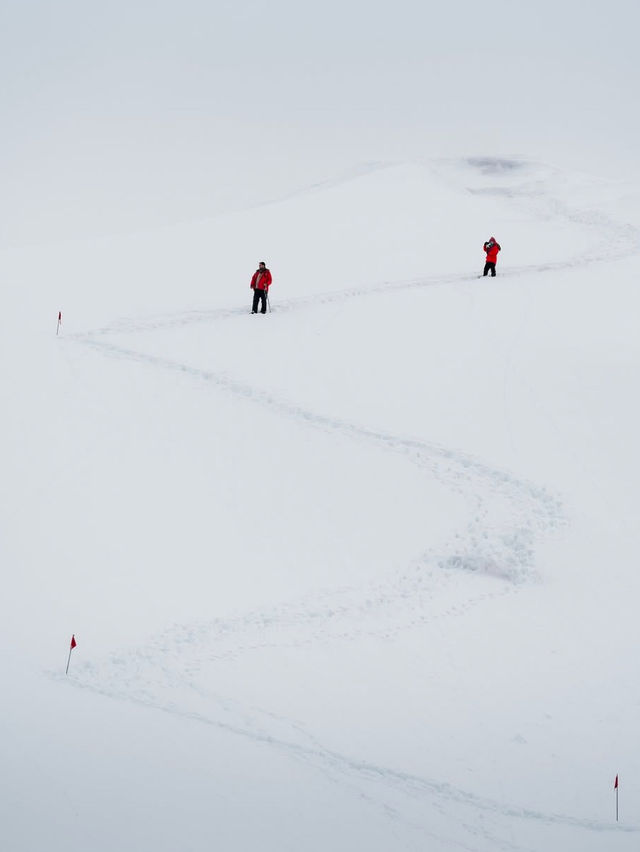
510, 555
534, 508
405, 782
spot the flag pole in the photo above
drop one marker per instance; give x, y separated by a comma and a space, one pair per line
616, 789
59, 321
72, 645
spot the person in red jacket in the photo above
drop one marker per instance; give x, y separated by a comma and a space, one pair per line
260, 283
492, 248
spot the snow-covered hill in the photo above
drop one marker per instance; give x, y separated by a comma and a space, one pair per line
357, 574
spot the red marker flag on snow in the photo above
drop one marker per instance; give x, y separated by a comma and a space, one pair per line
59, 321
72, 645
615, 783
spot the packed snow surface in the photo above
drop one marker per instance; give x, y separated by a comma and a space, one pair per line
359, 574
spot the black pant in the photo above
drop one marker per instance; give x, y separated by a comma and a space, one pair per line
490, 267
261, 296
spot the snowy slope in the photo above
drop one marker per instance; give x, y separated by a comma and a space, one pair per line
356, 574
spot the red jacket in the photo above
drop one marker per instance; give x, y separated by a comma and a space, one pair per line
261, 279
492, 248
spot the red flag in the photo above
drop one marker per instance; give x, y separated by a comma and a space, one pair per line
74, 643
59, 316
615, 784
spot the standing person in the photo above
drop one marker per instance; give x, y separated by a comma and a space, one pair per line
260, 283
492, 248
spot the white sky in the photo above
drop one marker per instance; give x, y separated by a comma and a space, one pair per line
121, 115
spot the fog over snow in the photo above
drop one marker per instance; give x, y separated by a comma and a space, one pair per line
359, 574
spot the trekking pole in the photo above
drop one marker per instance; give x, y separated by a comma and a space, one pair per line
268, 300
